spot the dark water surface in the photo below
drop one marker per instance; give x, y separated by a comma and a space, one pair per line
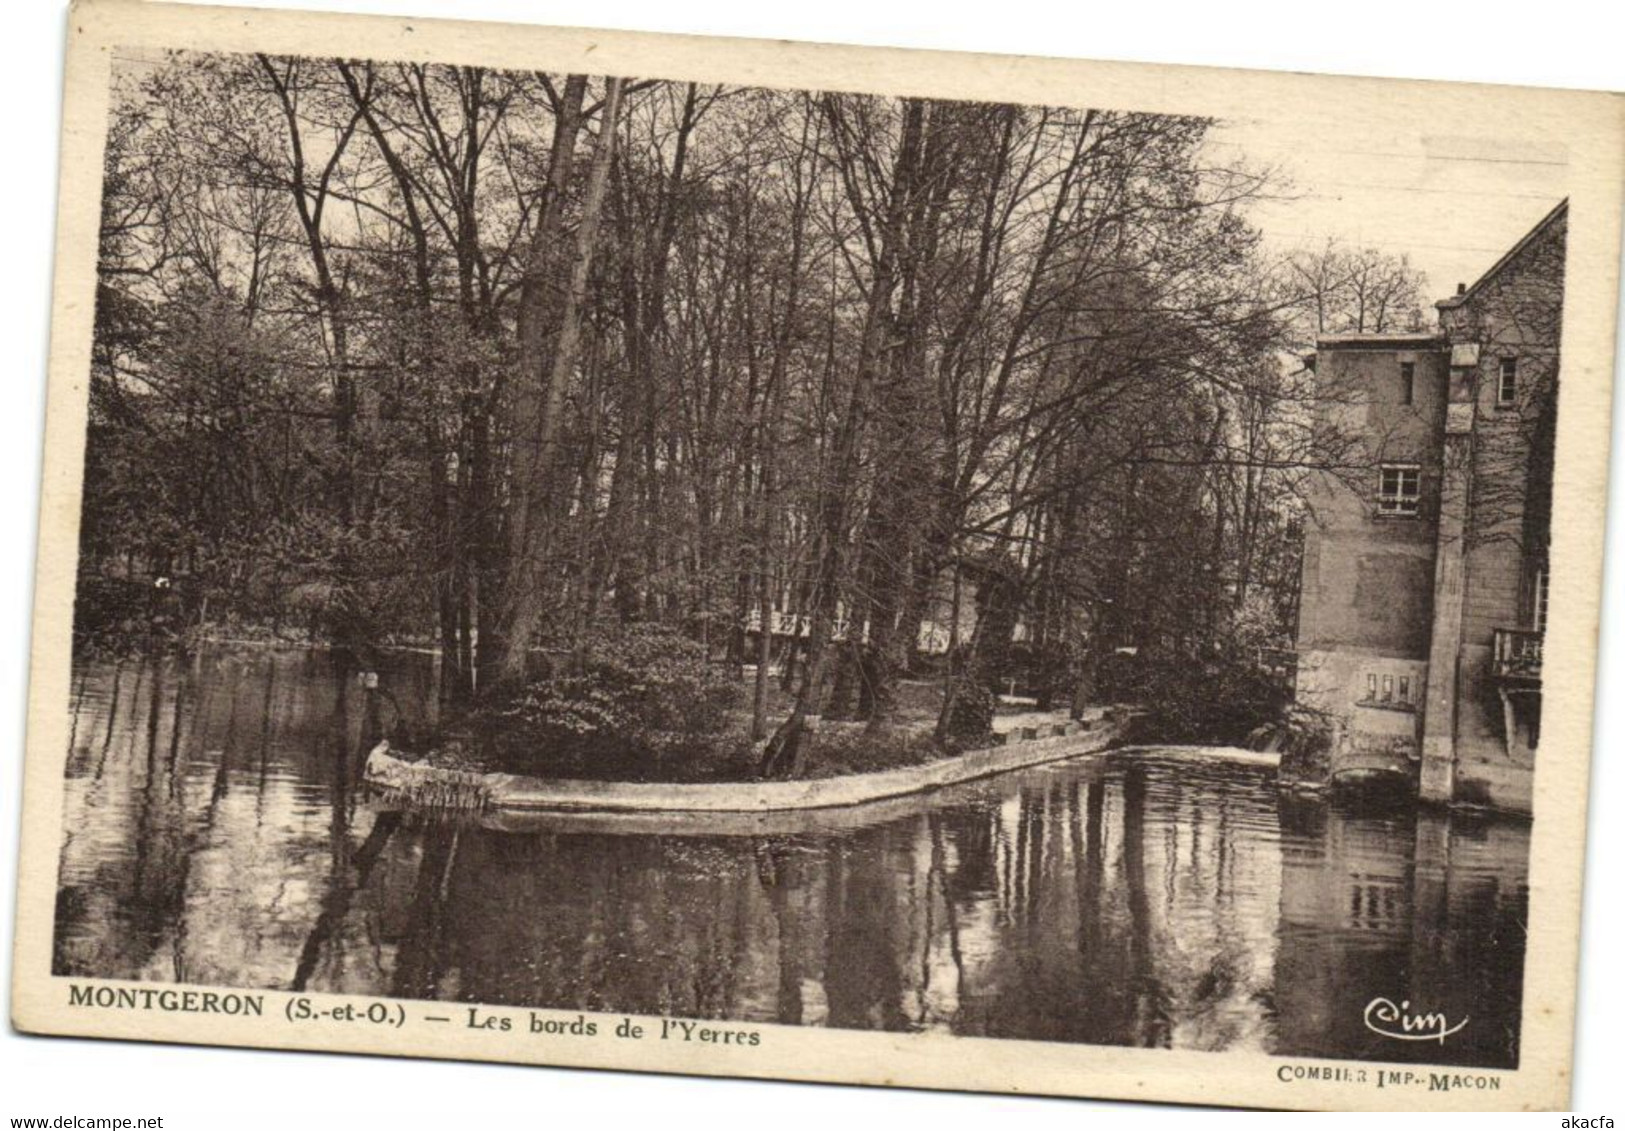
215, 835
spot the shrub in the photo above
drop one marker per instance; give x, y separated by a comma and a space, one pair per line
633, 700
854, 750
1217, 697
121, 615
1303, 736
974, 707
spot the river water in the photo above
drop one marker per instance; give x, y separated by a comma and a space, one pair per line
215, 835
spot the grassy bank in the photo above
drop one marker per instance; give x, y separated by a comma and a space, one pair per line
728, 754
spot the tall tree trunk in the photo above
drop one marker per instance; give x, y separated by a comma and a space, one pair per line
539, 404
354, 409
785, 751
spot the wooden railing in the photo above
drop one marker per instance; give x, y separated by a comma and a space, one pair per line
1518, 654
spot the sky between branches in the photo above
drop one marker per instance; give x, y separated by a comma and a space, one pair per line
1453, 204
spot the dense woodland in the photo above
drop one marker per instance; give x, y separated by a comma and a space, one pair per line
540, 369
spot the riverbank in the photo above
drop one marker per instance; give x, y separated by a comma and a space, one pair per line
1026, 740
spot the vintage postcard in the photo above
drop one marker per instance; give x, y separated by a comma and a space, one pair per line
773, 560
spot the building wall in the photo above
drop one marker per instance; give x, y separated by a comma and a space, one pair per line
1367, 577
1515, 312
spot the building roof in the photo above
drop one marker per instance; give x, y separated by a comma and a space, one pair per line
1424, 339
1529, 237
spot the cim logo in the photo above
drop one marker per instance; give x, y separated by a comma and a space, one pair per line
1385, 1018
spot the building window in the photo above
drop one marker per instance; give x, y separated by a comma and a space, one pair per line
1387, 689
1399, 491
1407, 382
1506, 389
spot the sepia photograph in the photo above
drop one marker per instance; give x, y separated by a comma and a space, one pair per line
648, 557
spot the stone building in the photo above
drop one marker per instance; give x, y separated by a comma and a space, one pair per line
1425, 572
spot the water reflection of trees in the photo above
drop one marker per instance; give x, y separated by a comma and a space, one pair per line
1050, 912
216, 834
201, 794
140, 785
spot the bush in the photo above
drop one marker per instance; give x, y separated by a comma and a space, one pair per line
854, 750
1303, 737
632, 702
974, 707
124, 615
1213, 698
